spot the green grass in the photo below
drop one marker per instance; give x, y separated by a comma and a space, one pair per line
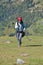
32, 45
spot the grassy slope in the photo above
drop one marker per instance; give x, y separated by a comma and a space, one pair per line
36, 28
9, 53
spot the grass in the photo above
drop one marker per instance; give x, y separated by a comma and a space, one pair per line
32, 45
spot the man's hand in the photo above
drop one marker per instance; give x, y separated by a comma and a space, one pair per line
24, 30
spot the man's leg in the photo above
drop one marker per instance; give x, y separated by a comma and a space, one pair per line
17, 35
20, 37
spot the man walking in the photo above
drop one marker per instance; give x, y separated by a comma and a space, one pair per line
20, 30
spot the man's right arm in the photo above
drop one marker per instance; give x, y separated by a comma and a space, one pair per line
16, 26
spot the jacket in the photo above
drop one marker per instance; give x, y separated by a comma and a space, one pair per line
19, 27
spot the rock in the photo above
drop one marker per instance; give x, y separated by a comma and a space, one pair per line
30, 39
24, 54
20, 61
8, 42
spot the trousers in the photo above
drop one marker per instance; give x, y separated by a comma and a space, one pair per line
19, 37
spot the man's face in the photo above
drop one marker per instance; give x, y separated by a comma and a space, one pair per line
19, 21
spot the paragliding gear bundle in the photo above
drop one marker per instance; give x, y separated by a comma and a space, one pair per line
23, 34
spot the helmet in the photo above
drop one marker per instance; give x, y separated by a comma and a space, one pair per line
19, 18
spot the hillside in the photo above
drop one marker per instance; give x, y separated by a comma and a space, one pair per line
30, 10
36, 28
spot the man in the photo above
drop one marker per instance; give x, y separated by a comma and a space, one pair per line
20, 30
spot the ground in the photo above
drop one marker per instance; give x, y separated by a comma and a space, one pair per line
31, 45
